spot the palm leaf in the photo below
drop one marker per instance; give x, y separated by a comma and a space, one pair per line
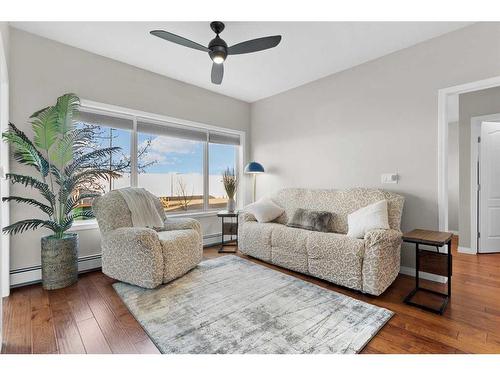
68, 220
24, 225
85, 214
66, 108
44, 126
81, 161
42, 187
72, 202
25, 151
62, 153
32, 202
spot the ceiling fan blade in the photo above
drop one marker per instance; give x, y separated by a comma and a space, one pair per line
217, 73
178, 40
254, 45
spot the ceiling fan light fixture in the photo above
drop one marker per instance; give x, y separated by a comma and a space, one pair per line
218, 58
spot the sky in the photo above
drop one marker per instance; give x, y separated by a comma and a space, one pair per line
174, 154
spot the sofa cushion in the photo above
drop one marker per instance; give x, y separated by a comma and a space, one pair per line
255, 239
288, 248
319, 221
373, 216
181, 252
336, 258
264, 210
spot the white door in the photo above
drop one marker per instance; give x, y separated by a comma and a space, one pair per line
489, 192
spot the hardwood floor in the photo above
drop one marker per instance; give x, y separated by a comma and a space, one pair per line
89, 317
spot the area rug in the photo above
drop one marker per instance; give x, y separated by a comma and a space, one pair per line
231, 305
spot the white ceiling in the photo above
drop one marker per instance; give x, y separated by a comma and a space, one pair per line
308, 50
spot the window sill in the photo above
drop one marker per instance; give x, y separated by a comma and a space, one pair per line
92, 224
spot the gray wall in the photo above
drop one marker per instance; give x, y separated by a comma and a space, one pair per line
42, 70
478, 103
346, 129
453, 176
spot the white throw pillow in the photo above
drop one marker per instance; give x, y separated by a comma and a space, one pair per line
373, 216
264, 210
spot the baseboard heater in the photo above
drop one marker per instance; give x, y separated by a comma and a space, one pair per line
33, 275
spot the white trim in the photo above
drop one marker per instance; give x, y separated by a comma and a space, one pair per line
4, 163
443, 140
410, 271
466, 250
92, 224
127, 112
206, 176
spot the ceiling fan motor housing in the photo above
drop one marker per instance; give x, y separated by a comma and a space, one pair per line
218, 50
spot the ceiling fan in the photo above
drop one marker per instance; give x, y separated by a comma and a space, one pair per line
218, 50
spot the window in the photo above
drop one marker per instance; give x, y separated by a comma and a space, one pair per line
106, 131
223, 153
180, 164
170, 165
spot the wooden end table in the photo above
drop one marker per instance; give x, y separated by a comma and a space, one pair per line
436, 262
229, 228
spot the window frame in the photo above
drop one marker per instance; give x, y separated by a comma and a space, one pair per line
134, 115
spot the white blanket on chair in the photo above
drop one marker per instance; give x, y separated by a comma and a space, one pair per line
142, 207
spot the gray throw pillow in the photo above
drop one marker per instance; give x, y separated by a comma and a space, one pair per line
319, 221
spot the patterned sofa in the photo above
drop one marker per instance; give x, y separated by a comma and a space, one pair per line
143, 256
369, 265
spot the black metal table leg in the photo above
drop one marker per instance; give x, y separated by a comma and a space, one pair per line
223, 234
442, 307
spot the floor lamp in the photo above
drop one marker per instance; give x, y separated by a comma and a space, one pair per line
254, 168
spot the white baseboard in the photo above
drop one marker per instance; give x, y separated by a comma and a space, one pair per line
423, 275
33, 275
465, 250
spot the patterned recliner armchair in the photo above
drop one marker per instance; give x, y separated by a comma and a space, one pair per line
143, 256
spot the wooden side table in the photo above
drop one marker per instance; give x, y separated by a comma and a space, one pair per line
229, 228
435, 262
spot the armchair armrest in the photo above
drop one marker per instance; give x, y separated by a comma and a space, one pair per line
381, 261
133, 255
182, 223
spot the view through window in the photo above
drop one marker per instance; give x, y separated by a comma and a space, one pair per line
221, 158
106, 132
173, 162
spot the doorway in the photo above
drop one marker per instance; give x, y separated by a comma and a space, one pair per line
488, 188
481, 99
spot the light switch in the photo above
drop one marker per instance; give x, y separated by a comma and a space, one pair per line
390, 178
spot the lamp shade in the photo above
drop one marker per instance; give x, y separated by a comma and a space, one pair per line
254, 167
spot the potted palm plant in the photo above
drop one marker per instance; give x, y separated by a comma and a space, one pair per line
230, 181
62, 162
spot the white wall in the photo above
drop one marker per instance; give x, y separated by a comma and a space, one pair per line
42, 70
453, 176
346, 129
473, 104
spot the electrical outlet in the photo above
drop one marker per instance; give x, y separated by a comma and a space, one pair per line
390, 178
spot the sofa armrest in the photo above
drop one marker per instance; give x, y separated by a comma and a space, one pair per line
133, 255
182, 223
244, 217
381, 261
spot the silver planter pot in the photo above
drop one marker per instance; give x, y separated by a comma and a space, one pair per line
59, 261
231, 205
